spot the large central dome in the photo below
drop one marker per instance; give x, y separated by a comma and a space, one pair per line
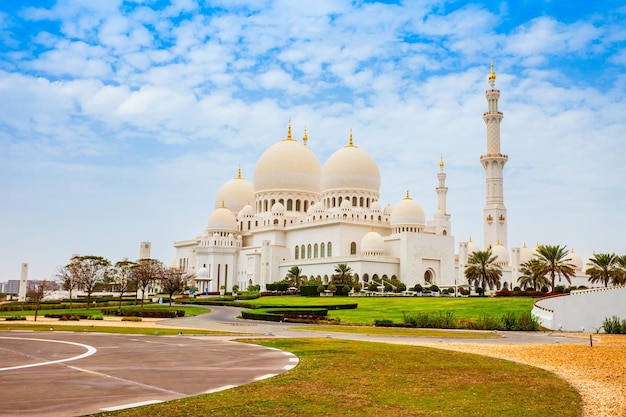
288, 166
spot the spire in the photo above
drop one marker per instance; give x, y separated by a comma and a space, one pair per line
289, 131
239, 172
492, 76
223, 206
350, 144
305, 138
407, 195
441, 162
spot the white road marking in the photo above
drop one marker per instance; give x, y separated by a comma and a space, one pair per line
131, 405
90, 351
218, 389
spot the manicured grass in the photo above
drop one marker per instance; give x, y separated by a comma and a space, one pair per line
95, 311
150, 331
347, 378
393, 308
397, 331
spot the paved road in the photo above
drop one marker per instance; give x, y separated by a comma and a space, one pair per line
70, 374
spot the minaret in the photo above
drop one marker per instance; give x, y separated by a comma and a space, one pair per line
442, 190
494, 212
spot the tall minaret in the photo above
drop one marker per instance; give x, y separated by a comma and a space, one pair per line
494, 212
442, 190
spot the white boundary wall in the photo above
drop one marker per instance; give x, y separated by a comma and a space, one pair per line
583, 310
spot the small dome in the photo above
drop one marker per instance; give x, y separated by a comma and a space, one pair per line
350, 168
388, 209
525, 254
575, 259
288, 166
372, 242
278, 208
235, 194
202, 273
222, 219
407, 211
375, 206
346, 204
501, 253
248, 210
472, 247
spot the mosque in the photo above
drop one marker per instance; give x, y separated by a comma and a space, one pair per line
297, 212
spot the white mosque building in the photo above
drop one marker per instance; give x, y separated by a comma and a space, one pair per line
297, 212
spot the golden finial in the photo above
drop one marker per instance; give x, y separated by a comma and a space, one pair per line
441, 161
223, 206
492, 76
407, 195
524, 245
350, 144
372, 228
289, 131
470, 239
498, 244
305, 138
239, 172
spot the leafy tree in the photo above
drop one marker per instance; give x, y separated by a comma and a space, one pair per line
481, 268
293, 276
69, 277
92, 270
147, 272
174, 280
343, 274
122, 277
553, 260
533, 275
604, 268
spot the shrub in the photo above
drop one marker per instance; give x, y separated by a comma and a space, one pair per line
614, 325
559, 288
479, 291
131, 318
517, 289
15, 318
544, 289
418, 288
434, 288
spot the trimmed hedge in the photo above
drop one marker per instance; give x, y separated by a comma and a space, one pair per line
137, 312
280, 314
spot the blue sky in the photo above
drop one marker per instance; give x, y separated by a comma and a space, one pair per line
120, 120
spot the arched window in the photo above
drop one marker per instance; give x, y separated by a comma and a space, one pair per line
308, 251
353, 248
322, 250
302, 251
290, 204
353, 201
329, 249
306, 206
315, 250
366, 278
445, 233
297, 256
297, 205
428, 277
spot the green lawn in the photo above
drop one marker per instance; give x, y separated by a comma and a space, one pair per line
348, 378
95, 311
392, 308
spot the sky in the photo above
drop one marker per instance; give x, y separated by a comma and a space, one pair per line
120, 120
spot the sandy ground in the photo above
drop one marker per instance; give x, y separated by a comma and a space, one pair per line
598, 373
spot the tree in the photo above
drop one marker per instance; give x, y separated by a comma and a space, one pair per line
620, 277
533, 275
92, 270
553, 260
147, 272
38, 293
604, 268
69, 277
481, 268
174, 280
343, 274
293, 276
121, 276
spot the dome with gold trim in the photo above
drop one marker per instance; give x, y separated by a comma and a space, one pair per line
288, 166
222, 219
407, 212
351, 168
235, 194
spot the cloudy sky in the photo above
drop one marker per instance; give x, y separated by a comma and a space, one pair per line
120, 120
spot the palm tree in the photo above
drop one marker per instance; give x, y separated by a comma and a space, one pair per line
343, 274
293, 275
533, 275
620, 276
553, 259
603, 268
481, 268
